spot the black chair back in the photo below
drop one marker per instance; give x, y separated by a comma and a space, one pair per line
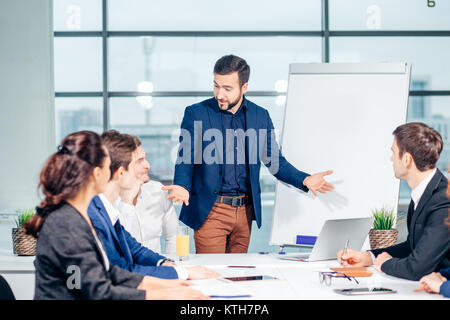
5, 290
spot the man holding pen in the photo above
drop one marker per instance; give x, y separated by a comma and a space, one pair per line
415, 151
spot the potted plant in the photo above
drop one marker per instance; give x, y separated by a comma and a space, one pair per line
383, 234
23, 244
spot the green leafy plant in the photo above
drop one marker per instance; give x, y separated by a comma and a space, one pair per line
23, 215
383, 219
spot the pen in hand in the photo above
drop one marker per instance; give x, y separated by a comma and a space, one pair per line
344, 252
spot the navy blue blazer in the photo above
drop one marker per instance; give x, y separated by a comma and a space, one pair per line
203, 180
427, 247
445, 287
122, 249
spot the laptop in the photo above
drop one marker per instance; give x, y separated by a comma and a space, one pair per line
333, 236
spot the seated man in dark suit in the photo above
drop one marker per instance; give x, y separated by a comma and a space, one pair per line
122, 249
438, 282
416, 149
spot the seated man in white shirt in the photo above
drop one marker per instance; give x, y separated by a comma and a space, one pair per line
146, 213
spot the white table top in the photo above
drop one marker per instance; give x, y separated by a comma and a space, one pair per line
297, 280
300, 280
10, 263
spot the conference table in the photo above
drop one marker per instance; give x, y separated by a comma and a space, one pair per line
296, 280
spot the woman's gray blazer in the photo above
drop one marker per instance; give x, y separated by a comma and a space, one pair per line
69, 264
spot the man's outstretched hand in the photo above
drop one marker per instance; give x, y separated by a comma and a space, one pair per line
316, 182
178, 194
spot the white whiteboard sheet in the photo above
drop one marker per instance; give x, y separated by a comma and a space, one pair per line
340, 117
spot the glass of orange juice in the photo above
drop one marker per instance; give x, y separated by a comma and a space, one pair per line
182, 243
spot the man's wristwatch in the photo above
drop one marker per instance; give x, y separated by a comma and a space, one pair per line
167, 260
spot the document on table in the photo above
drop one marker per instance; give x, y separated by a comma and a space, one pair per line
220, 288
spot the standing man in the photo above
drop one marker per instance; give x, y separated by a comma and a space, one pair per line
218, 181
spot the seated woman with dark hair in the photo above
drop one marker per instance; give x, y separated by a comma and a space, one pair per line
71, 262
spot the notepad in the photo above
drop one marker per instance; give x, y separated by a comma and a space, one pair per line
354, 271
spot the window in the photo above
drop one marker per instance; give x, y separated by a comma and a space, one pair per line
186, 63
135, 65
78, 64
428, 56
77, 15
389, 15
435, 112
201, 15
156, 121
75, 114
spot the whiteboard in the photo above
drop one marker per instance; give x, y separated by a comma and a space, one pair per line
339, 116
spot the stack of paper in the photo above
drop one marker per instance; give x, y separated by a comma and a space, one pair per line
220, 289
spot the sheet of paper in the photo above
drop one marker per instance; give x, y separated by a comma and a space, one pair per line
220, 288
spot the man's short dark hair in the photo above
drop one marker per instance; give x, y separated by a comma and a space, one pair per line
422, 142
120, 148
229, 64
136, 139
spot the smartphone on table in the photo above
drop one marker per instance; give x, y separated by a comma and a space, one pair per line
251, 278
361, 291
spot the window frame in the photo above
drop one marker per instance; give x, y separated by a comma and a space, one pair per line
325, 34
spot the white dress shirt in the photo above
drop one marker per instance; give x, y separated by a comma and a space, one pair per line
112, 211
418, 191
152, 217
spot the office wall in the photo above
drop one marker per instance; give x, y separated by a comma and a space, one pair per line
26, 99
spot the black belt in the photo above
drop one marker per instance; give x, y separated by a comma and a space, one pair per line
235, 202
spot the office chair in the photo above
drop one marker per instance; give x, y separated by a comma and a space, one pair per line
5, 290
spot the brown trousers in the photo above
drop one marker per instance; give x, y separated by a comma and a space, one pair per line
226, 230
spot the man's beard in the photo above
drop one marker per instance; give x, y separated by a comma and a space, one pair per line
234, 103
